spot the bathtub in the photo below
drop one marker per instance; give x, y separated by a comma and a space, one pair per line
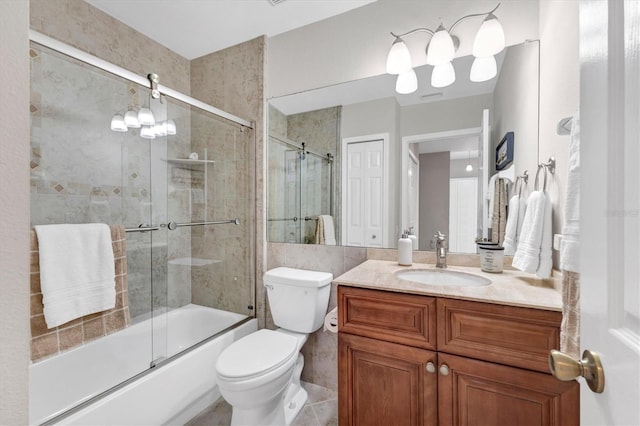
173, 392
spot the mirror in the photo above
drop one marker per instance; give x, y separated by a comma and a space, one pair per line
404, 156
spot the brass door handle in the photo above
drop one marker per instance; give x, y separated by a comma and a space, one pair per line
565, 368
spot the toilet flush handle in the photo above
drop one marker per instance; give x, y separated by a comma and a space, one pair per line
269, 286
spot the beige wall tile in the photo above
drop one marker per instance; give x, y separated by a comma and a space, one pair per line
94, 328
70, 337
44, 346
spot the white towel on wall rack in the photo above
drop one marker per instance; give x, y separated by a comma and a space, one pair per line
533, 254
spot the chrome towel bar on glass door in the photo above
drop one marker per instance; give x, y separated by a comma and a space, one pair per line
173, 225
142, 228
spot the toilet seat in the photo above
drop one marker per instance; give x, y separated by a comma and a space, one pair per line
256, 355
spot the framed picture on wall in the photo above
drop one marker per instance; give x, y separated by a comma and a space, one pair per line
504, 152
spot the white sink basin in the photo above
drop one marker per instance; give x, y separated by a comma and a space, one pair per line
442, 277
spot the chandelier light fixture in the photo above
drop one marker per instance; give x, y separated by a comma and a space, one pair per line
441, 50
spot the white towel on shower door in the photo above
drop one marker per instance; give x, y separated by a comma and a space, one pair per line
77, 272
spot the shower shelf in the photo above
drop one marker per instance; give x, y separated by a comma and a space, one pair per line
189, 163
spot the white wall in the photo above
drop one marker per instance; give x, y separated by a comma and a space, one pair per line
454, 114
14, 213
559, 91
354, 45
510, 113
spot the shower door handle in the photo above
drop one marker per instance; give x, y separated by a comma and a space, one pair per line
173, 225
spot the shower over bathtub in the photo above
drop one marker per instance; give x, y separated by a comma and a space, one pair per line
171, 393
183, 238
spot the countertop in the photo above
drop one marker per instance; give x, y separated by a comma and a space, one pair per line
511, 287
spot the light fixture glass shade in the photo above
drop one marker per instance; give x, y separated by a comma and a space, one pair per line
483, 69
118, 124
160, 129
147, 132
171, 127
490, 38
399, 59
407, 82
441, 49
443, 75
131, 120
145, 117
469, 167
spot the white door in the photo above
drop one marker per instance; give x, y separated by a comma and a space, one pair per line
463, 214
413, 178
610, 187
364, 198
483, 220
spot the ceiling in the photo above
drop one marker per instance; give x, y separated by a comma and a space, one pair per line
193, 28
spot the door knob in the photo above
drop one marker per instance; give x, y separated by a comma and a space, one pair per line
566, 368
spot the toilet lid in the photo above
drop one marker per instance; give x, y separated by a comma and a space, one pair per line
256, 354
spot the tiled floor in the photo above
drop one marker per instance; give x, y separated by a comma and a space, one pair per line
320, 410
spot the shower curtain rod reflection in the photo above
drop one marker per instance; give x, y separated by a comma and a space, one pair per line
85, 57
327, 156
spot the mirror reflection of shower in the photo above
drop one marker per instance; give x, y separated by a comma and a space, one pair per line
300, 182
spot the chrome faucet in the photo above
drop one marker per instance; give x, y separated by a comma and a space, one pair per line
441, 251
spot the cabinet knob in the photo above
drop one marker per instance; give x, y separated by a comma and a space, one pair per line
373, 237
444, 370
431, 368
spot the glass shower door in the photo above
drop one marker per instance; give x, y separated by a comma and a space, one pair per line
88, 166
284, 204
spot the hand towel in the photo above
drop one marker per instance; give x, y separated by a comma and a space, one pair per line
490, 197
319, 231
511, 231
329, 230
569, 248
515, 218
546, 260
499, 219
527, 256
77, 273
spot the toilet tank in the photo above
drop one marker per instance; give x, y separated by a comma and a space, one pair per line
298, 298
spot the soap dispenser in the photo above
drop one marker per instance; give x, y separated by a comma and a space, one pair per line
413, 238
405, 250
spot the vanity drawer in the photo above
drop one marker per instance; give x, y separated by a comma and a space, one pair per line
519, 337
393, 317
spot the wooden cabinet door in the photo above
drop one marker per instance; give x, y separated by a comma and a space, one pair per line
482, 393
385, 384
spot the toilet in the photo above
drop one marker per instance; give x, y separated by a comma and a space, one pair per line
259, 374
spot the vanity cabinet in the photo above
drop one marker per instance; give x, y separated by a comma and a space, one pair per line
406, 359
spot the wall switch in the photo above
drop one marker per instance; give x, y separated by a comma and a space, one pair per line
557, 240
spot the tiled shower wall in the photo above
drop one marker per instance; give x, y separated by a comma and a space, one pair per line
233, 80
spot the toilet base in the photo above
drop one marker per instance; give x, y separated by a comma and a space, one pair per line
279, 411
296, 396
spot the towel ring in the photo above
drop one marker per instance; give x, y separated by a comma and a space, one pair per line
544, 185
